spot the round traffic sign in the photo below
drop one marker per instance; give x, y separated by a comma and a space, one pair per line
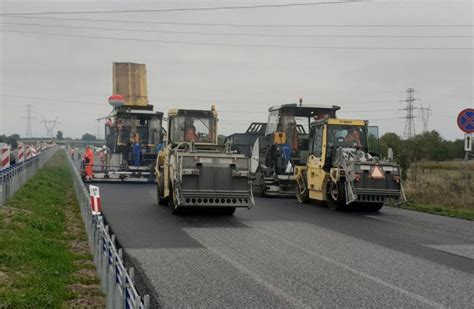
466, 120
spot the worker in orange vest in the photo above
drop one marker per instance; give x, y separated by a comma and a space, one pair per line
190, 134
88, 162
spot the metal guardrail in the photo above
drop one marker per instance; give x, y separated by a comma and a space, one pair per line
14, 177
115, 280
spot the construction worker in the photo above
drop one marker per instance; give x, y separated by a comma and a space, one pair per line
88, 162
353, 136
102, 159
190, 134
72, 154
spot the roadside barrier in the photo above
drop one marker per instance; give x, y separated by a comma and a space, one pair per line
12, 178
115, 280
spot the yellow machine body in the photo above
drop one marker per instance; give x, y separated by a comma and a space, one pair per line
315, 177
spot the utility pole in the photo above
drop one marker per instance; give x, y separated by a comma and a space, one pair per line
409, 130
425, 116
50, 125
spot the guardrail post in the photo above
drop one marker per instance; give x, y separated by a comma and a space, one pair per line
123, 288
131, 274
104, 263
111, 286
146, 301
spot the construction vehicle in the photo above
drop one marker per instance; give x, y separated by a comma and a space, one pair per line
133, 131
342, 168
243, 142
193, 171
281, 146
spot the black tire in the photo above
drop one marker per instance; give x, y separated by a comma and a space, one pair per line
172, 202
163, 201
373, 207
228, 211
336, 195
302, 194
263, 191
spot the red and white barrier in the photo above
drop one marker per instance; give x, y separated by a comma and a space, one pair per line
5, 156
33, 151
27, 152
21, 153
96, 207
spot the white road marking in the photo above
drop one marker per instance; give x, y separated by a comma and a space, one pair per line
415, 296
461, 250
270, 287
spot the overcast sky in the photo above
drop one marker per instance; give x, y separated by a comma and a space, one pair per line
71, 77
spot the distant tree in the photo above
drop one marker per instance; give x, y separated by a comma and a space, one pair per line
401, 154
59, 135
390, 140
88, 137
13, 139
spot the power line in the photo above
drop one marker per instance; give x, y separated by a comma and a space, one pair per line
214, 8
46, 99
238, 45
241, 34
254, 25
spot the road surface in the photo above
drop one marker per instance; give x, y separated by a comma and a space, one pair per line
283, 254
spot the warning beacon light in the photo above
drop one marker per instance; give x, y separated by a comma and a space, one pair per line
116, 100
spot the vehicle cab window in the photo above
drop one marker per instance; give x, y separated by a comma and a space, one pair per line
190, 128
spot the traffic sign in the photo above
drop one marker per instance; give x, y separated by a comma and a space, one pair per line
466, 120
468, 142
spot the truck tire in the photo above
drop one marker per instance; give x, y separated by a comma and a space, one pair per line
373, 207
302, 197
172, 202
163, 201
228, 211
336, 196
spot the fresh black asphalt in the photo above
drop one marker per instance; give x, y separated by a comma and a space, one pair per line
283, 254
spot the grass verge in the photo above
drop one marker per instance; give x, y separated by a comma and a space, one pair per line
44, 255
462, 213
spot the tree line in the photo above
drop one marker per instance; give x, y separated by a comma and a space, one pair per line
430, 146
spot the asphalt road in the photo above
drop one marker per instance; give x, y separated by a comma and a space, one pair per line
283, 254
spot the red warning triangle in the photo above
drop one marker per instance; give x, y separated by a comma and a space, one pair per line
377, 173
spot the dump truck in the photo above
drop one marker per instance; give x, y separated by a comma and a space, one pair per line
133, 130
281, 146
194, 171
343, 169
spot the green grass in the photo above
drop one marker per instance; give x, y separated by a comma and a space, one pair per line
36, 262
462, 213
445, 165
